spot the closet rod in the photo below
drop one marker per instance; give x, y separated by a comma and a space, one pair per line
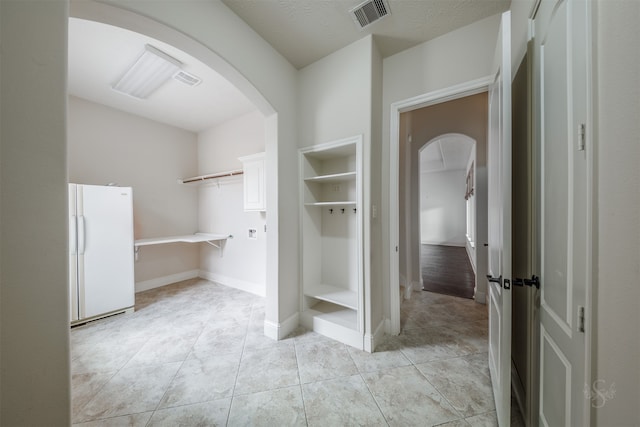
213, 176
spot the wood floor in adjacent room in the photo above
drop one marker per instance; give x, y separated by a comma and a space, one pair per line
447, 270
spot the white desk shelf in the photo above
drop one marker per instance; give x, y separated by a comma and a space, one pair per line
217, 240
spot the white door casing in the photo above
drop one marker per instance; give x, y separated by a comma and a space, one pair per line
561, 98
499, 227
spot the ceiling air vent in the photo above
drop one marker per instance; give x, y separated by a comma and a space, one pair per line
369, 12
186, 78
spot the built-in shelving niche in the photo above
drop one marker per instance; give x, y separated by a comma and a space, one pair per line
331, 239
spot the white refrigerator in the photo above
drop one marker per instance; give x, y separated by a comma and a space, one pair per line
101, 278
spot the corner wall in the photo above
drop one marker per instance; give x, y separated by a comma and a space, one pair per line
616, 296
34, 305
221, 206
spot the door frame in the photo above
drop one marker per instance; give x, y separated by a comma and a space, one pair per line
451, 93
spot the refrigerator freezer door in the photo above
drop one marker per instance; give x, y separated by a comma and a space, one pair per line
106, 263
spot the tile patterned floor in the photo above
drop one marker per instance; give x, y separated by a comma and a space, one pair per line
194, 354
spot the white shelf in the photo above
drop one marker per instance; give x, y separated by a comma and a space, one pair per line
187, 238
217, 240
345, 203
334, 294
332, 178
333, 314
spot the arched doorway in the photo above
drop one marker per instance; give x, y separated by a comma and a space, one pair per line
447, 215
115, 16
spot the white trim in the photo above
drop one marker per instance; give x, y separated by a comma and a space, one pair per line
546, 338
278, 331
254, 288
481, 297
146, 285
436, 97
371, 341
462, 90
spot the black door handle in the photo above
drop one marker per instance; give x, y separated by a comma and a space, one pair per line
492, 279
534, 281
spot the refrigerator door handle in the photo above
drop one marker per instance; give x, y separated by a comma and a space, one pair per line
81, 236
73, 235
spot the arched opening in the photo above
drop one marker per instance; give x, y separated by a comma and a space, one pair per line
172, 38
447, 215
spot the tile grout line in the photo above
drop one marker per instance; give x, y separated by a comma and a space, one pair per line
235, 382
304, 406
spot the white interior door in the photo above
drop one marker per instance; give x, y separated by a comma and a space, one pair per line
561, 97
499, 206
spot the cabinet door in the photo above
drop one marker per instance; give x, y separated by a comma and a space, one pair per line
254, 185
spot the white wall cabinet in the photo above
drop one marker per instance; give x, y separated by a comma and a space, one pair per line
254, 182
331, 240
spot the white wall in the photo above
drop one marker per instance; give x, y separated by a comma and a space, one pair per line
34, 310
442, 208
335, 96
221, 208
617, 294
107, 145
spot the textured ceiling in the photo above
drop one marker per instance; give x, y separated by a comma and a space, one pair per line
450, 152
304, 31
99, 54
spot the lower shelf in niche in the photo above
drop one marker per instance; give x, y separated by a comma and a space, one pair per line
335, 322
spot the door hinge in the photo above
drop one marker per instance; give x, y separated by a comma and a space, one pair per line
580, 319
581, 136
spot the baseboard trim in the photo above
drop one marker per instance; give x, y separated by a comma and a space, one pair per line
158, 282
371, 341
408, 289
481, 298
278, 331
254, 288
